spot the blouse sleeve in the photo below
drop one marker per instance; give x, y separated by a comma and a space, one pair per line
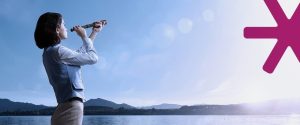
86, 54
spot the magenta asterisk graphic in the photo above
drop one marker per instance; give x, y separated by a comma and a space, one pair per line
287, 32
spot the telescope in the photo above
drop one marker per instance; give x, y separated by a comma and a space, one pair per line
104, 22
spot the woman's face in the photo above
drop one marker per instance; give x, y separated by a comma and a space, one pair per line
62, 30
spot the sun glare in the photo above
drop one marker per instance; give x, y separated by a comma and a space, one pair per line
254, 94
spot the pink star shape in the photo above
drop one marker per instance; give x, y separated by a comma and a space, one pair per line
287, 32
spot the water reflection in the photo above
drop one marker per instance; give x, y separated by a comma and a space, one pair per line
293, 119
24, 120
162, 120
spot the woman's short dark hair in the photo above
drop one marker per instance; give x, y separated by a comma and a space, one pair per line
45, 32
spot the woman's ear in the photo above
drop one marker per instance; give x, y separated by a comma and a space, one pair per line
57, 30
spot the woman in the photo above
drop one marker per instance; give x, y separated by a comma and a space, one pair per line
63, 65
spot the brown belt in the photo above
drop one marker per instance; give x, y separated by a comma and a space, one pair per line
75, 99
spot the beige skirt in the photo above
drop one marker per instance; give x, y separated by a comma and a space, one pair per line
68, 113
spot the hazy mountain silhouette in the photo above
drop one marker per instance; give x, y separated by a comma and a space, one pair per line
162, 106
8, 105
106, 103
104, 107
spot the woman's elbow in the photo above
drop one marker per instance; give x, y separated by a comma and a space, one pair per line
94, 59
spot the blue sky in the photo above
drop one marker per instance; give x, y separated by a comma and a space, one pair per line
159, 51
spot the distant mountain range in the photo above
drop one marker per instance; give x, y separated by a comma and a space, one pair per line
7, 105
104, 107
162, 106
106, 103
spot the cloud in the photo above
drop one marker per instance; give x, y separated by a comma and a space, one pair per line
102, 63
223, 87
129, 91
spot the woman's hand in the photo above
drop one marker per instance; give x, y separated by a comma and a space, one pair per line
80, 31
98, 26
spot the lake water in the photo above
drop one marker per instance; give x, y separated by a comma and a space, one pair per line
161, 120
